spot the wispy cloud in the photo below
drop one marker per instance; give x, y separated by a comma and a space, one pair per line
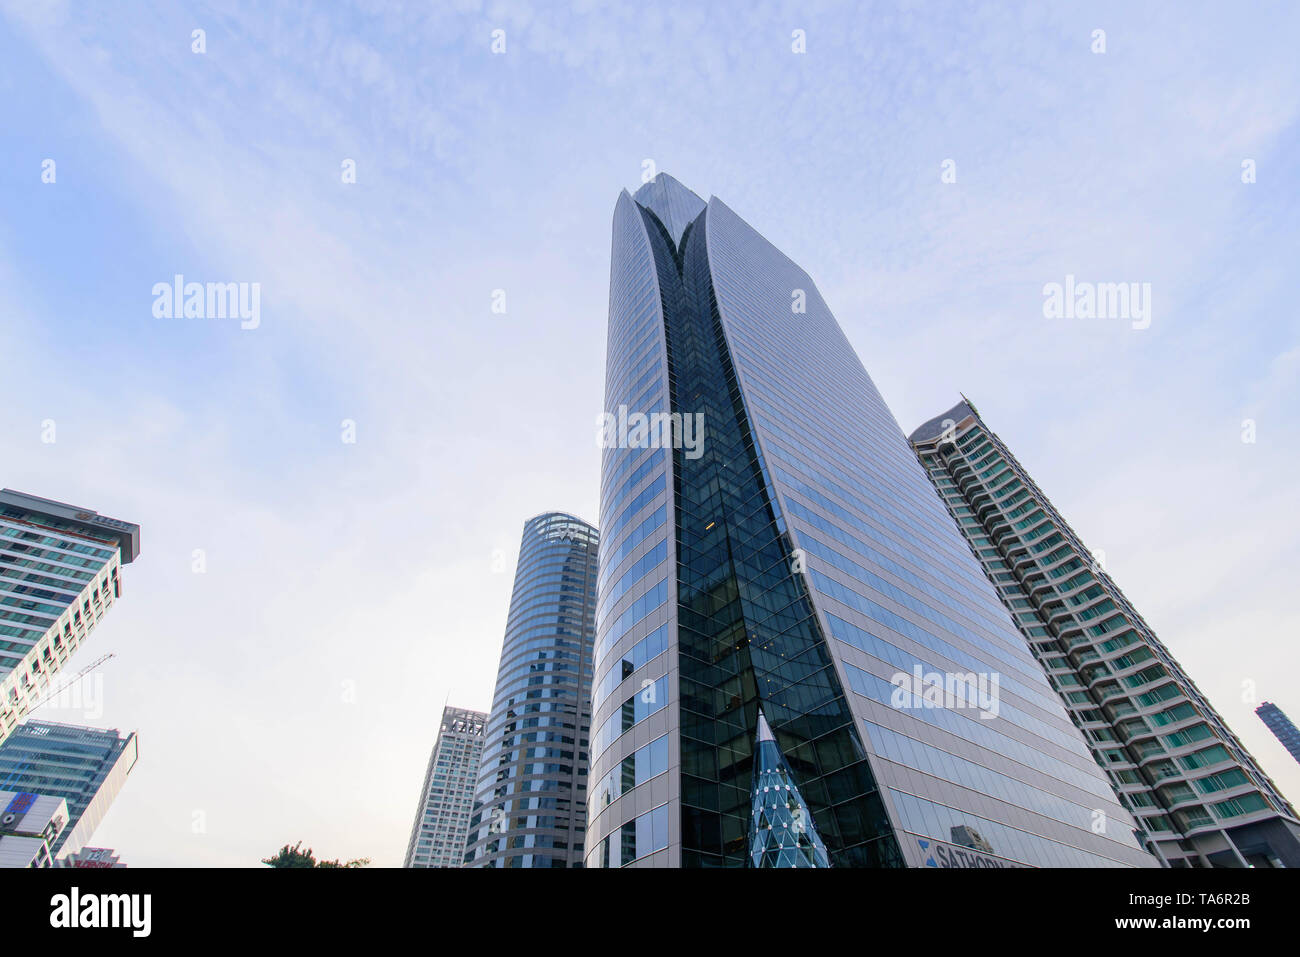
371, 562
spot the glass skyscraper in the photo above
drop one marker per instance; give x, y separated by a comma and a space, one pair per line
531, 806
1281, 726
85, 766
797, 563
447, 797
60, 572
1199, 797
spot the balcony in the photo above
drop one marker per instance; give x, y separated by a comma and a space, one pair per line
1147, 751
1176, 794
1194, 820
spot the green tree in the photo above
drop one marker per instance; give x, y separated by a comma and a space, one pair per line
297, 857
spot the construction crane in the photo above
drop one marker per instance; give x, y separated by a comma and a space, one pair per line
52, 690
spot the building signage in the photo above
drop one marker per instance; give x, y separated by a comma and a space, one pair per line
939, 854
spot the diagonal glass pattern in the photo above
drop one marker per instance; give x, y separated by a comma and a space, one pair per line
781, 830
747, 634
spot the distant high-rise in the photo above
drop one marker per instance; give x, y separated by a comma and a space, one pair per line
770, 544
1199, 797
447, 797
530, 809
94, 858
60, 572
1281, 726
85, 766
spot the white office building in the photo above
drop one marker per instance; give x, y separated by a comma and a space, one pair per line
447, 797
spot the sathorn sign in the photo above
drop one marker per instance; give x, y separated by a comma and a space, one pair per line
939, 854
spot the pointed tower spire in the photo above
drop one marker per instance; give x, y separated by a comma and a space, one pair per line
781, 828
674, 204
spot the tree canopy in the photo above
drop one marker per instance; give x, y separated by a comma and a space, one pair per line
297, 857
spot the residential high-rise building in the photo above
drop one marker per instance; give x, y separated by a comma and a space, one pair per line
447, 797
85, 766
770, 544
1199, 797
531, 805
60, 572
30, 824
1281, 726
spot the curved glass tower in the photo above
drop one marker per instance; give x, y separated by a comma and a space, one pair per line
797, 561
530, 806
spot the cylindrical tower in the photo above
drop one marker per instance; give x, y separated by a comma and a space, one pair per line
530, 806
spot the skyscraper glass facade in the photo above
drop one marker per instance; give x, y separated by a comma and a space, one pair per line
530, 809
447, 797
797, 562
60, 572
1281, 726
85, 766
781, 830
1199, 797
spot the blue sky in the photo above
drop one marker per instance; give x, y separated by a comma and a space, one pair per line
292, 690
